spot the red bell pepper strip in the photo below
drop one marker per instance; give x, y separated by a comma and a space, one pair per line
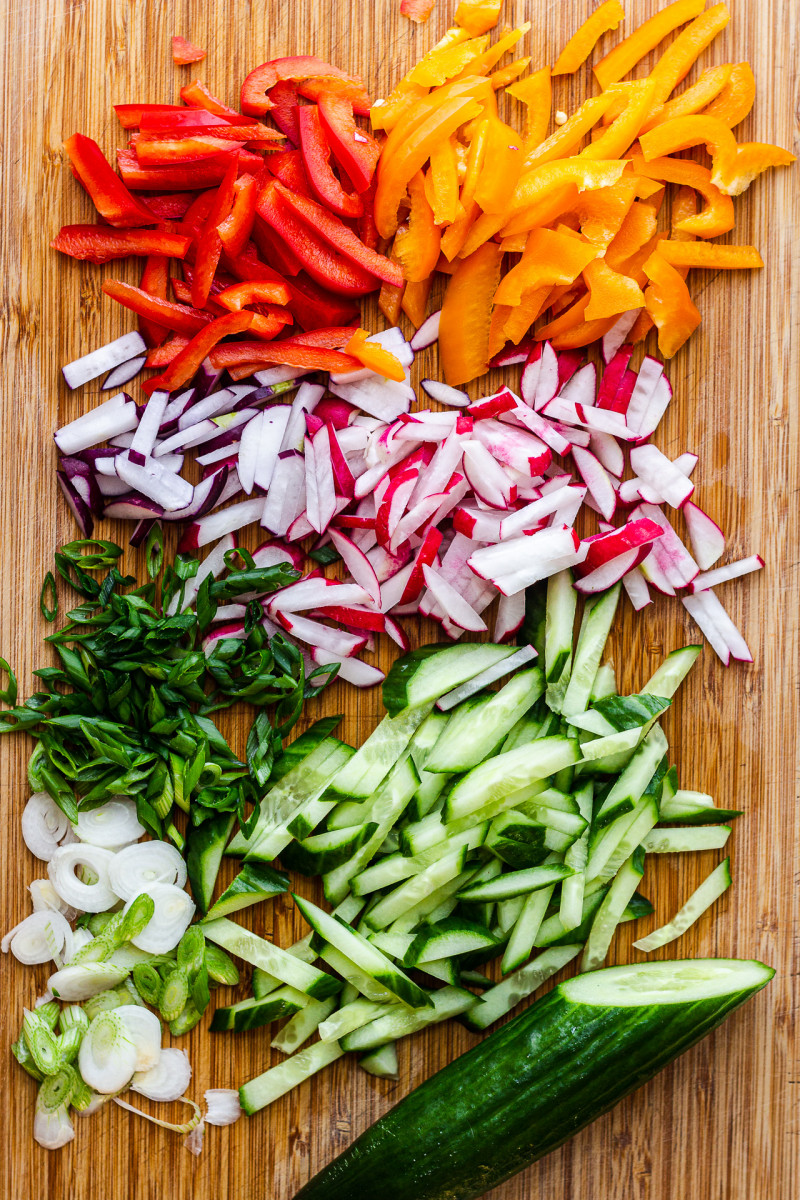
154, 281
100, 243
162, 356
339, 236
184, 52
182, 291
196, 93
187, 178
130, 115
169, 208
158, 148
355, 151
235, 229
242, 295
178, 317
367, 229
334, 85
322, 262
292, 354
110, 195
287, 165
254, 100
197, 214
334, 338
188, 118
208, 242
316, 157
282, 105
314, 307
187, 362
274, 250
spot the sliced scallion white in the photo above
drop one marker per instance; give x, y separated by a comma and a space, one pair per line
84, 980
111, 825
144, 1028
44, 898
88, 897
168, 1079
137, 868
173, 911
223, 1107
43, 826
52, 1127
108, 1054
40, 938
186, 1127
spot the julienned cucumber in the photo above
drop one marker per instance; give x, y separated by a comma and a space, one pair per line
534, 1083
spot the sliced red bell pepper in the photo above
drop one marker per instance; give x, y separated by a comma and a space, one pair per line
282, 105
159, 148
335, 338
282, 353
188, 118
130, 115
322, 262
169, 208
287, 165
154, 281
187, 178
339, 236
314, 307
178, 317
242, 295
162, 356
208, 242
110, 195
182, 291
184, 52
274, 249
355, 151
182, 368
235, 229
316, 158
335, 85
197, 93
100, 243
197, 214
254, 100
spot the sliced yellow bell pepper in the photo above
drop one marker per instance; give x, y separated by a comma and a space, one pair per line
623, 132
374, 357
610, 292
717, 217
502, 167
500, 79
415, 300
416, 244
536, 93
627, 53
637, 230
465, 322
710, 84
550, 258
602, 212
491, 57
677, 61
456, 234
548, 208
536, 184
583, 42
439, 66
566, 140
669, 304
443, 180
385, 114
737, 98
478, 16
710, 255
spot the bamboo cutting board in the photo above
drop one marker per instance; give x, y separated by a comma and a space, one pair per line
719, 1125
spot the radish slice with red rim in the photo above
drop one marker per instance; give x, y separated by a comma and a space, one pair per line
428, 332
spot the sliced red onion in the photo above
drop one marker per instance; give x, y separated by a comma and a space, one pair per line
144, 439
133, 508
111, 485
260, 445
78, 506
124, 373
272, 375
206, 378
428, 332
115, 416
177, 405
141, 532
442, 393
306, 400
228, 452
121, 350
156, 482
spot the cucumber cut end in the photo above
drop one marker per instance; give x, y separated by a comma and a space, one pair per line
681, 982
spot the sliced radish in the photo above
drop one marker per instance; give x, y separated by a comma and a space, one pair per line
514, 447
613, 340
734, 570
486, 477
650, 372
357, 564
510, 616
337, 641
286, 498
637, 590
547, 382
452, 602
607, 546
151, 479
608, 450
708, 540
597, 480
659, 473
425, 557
609, 573
427, 334
353, 670
717, 626
442, 393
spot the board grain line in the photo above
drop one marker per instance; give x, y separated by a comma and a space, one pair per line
720, 1124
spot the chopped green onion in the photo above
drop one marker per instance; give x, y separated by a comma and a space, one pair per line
191, 950
25, 1059
52, 1127
220, 966
49, 1012
147, 982
154, 550
174, 994
136, 917
92, 560
187, 1127
186, 1021
9, 694
49, 611
41, 1042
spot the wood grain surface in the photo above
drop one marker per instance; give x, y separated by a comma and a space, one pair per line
722, 1123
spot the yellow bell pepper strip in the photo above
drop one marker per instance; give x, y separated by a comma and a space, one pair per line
610, 292
491, 57
420, 112
733, 167
684, 205
385, 114
417, 243
442, 182
737, 98
436, 68
550, 258
669, 304
466, 316
694, 99
456, 234
478, 16
552, 205
710, 255
374, 357
536, 184
583, 42
602, 212
536, 93
415, 300
717, 217
514, 244
623, 132
395, 170
677, 61
389, 300
566, 140
733, 173
620, 61
522, 316
502, 167
502, 78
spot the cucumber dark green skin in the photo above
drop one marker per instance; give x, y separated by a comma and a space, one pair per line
301, 747
515, 1097
301, 857
205, 847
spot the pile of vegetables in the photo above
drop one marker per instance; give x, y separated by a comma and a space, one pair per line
460, 189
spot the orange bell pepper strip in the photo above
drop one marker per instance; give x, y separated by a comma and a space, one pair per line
456, 234
733, 167
385, 114
733, 173
502, 167
373, 356
550, 258
502, 78
417, 243
677, 61
717, 217
442, 182
684, 205
582, 335
252, 291
183, 367
565, 321
602, 212
415, 300
536, 93
417, 10
448, 62
536, 184
522, 316
584, 40
620, 61
669, 305
473, 86
491, 57
710, 255
566, 140
624, 130
544, 211
497, 329
466, 316
694, 99
514, 244
737, 97
610, 292
478, 16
